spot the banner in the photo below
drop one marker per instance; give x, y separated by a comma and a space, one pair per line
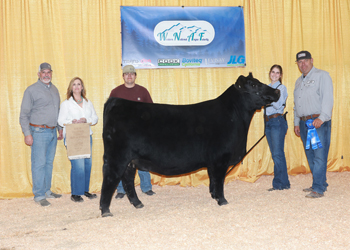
78, 141
182, 37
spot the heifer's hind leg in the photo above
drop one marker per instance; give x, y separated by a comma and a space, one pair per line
109, 184
129, 185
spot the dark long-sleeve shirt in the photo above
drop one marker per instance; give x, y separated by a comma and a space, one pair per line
136, 93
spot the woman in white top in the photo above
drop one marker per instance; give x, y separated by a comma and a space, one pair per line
78, 109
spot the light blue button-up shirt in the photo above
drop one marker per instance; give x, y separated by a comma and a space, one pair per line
313, 94
278, 107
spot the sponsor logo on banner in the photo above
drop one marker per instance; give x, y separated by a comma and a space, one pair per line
191, 62
214, 61
139, 63
147, 62
184, 33
168, 62
131, 62
236, 61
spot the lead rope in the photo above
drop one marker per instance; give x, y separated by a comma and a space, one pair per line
284, 115
255, 143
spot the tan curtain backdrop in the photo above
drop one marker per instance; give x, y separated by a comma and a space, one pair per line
82, 38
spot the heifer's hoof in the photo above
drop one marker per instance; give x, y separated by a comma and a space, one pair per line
139, 205
107, 214
222, 202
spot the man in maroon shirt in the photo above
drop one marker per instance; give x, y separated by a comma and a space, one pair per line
133, 92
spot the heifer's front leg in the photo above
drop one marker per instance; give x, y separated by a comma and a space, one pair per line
211, 182
129, 185
220, 192
217, 179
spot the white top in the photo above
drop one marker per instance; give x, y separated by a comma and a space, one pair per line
70, 110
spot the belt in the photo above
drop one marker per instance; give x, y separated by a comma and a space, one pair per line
41, 126
269, 117
305, 118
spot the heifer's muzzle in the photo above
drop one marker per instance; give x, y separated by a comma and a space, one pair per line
278, 92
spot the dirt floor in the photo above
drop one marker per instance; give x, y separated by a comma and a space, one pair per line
188, 218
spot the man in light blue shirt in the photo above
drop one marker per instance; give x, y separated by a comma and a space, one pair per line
313, 99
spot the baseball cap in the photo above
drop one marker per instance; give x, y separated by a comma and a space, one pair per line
129, 69
303, 55
44, 66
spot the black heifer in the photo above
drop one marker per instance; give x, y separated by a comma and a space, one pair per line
178, 139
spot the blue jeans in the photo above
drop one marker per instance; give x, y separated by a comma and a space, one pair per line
317, 158
42, 156
80, 174
145, 182
276, 129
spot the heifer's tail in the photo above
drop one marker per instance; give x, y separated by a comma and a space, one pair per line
107, 108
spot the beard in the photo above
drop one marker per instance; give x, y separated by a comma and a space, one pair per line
46, 80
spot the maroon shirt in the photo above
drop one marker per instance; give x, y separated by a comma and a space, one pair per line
136, 93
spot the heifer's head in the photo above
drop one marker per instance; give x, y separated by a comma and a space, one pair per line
256, 93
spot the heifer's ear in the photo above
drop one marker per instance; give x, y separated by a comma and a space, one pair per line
250, 74
240, 81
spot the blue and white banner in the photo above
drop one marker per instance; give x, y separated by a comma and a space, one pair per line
183, 37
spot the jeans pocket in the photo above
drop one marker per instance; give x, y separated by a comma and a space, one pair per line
36, 130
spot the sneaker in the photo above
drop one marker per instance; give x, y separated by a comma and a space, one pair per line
150, 192
90, 196
314, 195
119, 196
310, 189
53, 196
43, 203
76, 198
272, 189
